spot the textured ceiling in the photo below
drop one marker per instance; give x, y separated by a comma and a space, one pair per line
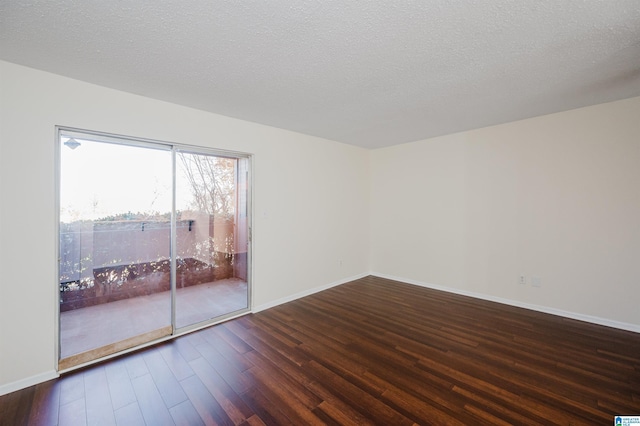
372, 73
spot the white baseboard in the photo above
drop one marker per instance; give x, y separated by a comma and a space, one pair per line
29, 381
573, 315
309, 292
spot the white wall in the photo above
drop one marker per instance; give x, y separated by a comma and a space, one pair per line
556, 197
310, 201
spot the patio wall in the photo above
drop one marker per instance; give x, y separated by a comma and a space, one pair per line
113, 260
89, 245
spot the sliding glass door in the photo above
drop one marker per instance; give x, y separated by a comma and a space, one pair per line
211, 243
153, 238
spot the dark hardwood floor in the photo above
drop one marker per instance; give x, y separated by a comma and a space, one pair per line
372, 351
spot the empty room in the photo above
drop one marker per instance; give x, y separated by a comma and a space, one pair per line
265, 213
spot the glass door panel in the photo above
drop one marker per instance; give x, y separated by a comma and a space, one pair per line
211, 237
115, 233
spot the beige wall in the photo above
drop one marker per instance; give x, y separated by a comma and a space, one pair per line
310, 201
555, 197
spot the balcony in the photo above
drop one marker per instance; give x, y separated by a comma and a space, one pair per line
115, 278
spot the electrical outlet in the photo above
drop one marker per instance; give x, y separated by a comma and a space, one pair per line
536, 282
522, 280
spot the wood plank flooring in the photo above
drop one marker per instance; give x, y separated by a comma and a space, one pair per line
372, 351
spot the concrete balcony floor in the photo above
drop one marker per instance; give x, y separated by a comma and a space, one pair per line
96, 326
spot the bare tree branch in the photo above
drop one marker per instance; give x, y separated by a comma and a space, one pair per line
212, 181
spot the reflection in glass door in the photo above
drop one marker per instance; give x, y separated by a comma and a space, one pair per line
211, 237
114, 247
